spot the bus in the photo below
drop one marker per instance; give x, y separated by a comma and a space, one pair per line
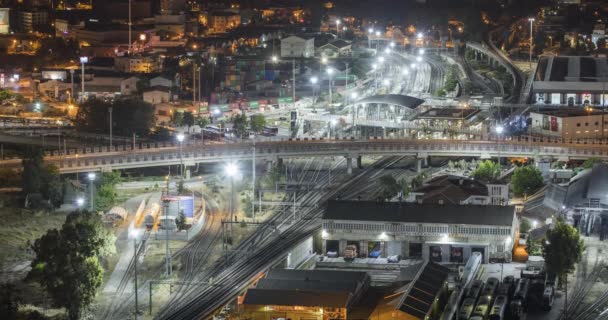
270, 131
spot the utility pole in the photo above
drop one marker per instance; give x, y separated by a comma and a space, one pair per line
193, 83
293, 82
168, 265
346, 87
531, 41
135, 270
130, 24
72, 86
253, 184
111, 125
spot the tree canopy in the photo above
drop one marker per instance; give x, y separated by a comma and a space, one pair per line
588, 164
39, 178
240, 125
67, 261
106, 194
563, 248
389, 187
257, 123
526, 180
129, 115
487, 171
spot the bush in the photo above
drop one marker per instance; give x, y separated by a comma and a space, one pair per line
526, 180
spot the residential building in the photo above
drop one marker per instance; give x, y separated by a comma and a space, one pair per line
4, 20
570, 81
155, 95
33, 20
569, 123
335, 49
223, 21
435, 232
139, 63
451, 189
298, 47
129, 86
304, 294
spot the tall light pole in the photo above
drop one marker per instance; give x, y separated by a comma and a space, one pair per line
91, 177
330, 72
111, 125
72, 86
83, 60
134, 233
338, 27
180, 138
231, 170
499, 130
531, 40
130, 27
370, 32
253, 180
313, 82
377, 40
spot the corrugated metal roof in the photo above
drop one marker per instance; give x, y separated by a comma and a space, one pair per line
419, 213
418, 299
296, 298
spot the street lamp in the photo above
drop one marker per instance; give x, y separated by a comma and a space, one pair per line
386, 82
370, 32
180, 138
392, 44
337, 26
405, 71
231, 170
420, 51
133, 234
91, 177
83, 60
313, 81
531, 39
499, 129
80, 202
274, 59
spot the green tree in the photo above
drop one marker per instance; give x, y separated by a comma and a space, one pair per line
5, 95
240, 125
188, 119
418, 180
202, 121
257, 123
32, 169
588, 164
247, 205
486, 171
106, 194
67, 261
177, 118
524, 226
51, 185
562, 250
526, 180
389, 187
404, 187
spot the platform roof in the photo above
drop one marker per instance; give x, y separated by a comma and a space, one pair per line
393, 99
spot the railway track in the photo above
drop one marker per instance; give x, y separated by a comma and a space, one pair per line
234, 277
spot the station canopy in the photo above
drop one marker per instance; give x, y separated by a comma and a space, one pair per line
393, 99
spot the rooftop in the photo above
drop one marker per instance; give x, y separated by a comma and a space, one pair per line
569, 112
451, 189
296, 298
393, 99
588, 186
487, 215
448, 113
418, 299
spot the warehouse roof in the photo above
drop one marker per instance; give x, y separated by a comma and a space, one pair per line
315, 275
296, 298
420, 213
589, 185
393, 99
307, 285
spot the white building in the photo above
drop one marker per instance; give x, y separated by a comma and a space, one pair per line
440, 233
128, 86
297, 47
156, 95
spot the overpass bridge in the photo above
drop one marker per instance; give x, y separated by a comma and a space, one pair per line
191, 154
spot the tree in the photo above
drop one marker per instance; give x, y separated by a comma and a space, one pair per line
524, 226
67, 261
188, 119
526, 180
487, 171
257, 123
562, 250
51, 186
404, 187
32, 168
106, 194
142, 85
180, 221
240, 124
388, 187
130, 115
177, 118
418, 180
588, 164
202, 121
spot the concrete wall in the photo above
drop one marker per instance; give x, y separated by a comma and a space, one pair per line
299, 254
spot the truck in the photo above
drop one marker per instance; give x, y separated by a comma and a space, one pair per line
350, 252
535, 268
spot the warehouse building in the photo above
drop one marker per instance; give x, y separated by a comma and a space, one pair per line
304, 294
435, 232
570, 81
